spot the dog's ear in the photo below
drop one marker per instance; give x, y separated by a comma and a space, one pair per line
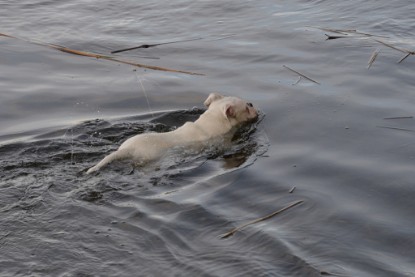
211, 98
229, 110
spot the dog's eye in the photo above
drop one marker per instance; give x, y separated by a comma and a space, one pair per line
250, 105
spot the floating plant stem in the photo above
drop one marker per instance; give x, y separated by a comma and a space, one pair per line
152, 45
88, 54
104, 57
373, 58
399, 117
396, 128
404, 57
394, 47
300, 74
233, 231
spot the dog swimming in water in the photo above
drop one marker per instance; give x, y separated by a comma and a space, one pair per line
219, 123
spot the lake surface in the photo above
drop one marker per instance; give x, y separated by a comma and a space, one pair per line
344, 144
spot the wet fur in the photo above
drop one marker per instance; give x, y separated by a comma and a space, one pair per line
223, 117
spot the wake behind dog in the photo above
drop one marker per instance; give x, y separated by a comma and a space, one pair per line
223, 117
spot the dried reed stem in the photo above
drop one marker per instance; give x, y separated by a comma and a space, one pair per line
396, 128
109, 58
399, 117
233, 231
373, 58
300, 74
152, 45
396, 48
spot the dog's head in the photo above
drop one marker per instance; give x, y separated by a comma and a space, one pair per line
236, 110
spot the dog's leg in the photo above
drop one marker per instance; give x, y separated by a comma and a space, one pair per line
117, 155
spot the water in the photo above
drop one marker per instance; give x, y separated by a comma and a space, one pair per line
61, 113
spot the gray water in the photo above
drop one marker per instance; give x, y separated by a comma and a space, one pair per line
61, 113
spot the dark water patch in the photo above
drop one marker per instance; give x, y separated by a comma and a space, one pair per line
51, 206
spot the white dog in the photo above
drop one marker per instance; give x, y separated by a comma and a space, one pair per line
218, 123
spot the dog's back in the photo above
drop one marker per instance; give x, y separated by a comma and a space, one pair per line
218, 123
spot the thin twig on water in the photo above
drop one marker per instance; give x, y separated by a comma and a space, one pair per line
233, 231
337, 31
104, 57
152, 45
396, 128
292, 189
406, 51
299, 80
404, 57
373, 58
399, 117
88, 54
347, 32
369, 35
394, 47
300, 74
